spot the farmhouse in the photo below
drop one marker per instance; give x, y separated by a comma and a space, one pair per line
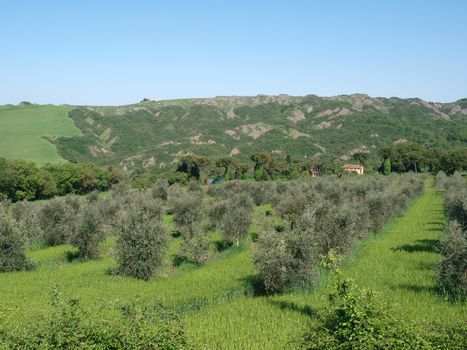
353, 168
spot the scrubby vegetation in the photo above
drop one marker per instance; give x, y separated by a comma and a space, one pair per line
452, 272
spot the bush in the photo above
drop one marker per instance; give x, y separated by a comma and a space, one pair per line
441, 179
160, 189
26, 216
188, 210
89, 232
452, 274
357, 319
12, 249
236, 220
195, 249
69, 326
141, 241
57, 220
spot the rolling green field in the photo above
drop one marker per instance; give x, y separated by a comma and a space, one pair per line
23, 128
217, 300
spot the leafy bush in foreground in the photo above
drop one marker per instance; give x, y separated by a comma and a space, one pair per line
357, 319
69, 326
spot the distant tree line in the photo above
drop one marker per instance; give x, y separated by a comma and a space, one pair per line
414, 157
399, 158
22, 180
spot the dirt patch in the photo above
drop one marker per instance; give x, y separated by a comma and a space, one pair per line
399, 141
167, 143
309, 108
235, 151
151, 161
232, 133
323, 125
295, 134
231, 114
344, 112
254, 130
296, 116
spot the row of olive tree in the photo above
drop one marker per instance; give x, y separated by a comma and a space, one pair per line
452, 271
322, 215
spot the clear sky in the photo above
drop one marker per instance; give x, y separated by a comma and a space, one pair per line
117, 52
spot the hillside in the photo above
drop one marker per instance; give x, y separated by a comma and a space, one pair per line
154, 133
23, 129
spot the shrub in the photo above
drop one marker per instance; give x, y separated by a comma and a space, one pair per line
357, 319
452, 274
69, 326
12, 249
160, 189
57, 220
236, 220
26, 216
89, 232
141, 242
195, 249
188, 210
441, 179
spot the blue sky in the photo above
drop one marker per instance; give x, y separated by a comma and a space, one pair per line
117, 52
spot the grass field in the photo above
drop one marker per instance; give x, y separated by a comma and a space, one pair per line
23, 128
217, 300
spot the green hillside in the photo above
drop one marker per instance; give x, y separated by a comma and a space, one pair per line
155, 133
24, 128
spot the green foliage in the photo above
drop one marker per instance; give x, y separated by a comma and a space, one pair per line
20, 180
195, 249
89, 231
12, 248
237, 218
452, 270
357, 319
160, 189
387, 166
141, 241
69, 326
57, 220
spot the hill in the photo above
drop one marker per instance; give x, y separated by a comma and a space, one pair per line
155, 133
23, 130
